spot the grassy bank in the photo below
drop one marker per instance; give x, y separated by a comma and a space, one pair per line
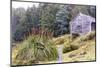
39, 50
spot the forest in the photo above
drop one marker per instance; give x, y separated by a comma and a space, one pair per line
38, 32
52, 17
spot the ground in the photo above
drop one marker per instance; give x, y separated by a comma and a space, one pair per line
81, 48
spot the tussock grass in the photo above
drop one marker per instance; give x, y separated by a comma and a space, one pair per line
33, 50
86, 49
40, 49
71, 44
65, 39
84, 39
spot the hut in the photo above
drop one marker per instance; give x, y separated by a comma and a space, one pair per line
82, 24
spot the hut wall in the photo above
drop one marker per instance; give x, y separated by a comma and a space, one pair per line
81, 24
86, 27
76, 27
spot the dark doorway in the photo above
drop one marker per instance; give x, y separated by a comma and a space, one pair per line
93, 26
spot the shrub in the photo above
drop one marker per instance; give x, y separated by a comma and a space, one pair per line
89, 36
75, 36
69, 48
65, 39
66, 49
35, 49
78, 42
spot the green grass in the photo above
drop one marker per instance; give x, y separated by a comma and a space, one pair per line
33, 50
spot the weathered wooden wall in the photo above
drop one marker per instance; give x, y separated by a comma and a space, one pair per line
81, 24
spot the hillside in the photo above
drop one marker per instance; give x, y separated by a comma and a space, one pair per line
84, 48
81, 48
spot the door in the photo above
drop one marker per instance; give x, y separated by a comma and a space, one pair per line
93, 26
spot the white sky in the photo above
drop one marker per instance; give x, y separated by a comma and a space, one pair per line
23, 4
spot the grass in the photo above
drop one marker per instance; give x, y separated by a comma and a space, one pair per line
73, 44
33, 50
66, 41
41, 50
86, 49
84, 53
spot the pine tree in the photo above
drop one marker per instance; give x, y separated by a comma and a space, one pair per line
62, 21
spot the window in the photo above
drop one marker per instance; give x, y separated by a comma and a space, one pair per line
79, 28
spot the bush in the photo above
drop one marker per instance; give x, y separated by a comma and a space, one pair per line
75, 36
66, 49
69, 48
78, 42
65, 39
35, 49
89, 36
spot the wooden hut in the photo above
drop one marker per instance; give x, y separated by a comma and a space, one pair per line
82, 24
